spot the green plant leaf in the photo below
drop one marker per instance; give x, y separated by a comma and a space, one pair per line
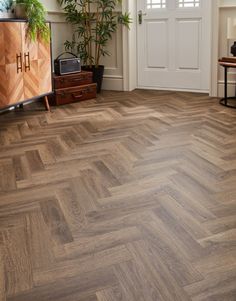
37, 27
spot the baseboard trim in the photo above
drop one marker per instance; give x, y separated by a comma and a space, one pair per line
231, 88
173, 89
112, 83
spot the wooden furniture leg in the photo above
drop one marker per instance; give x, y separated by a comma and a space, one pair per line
224, 101
46, 103
226, 85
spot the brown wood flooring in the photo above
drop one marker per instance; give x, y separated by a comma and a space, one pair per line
130, 197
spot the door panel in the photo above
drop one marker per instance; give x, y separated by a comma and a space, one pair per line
25, 66
45, 69
192, 45
11, 85
3, 87
31, 69
12, 41
157, 52
2, 48
31, 80
27, 44
45, 76
15, 88
174, 44
11, 77
37, 66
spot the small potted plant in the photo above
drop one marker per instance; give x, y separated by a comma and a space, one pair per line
94, 22
34, 12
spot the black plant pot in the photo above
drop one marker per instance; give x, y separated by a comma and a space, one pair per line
97, 75
233, 49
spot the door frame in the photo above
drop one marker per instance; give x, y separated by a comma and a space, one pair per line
130, 48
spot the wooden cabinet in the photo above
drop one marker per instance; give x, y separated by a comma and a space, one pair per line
25, 65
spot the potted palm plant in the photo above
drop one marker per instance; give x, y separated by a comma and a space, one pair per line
94, 22
34, 12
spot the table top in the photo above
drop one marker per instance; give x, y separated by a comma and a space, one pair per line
227, 64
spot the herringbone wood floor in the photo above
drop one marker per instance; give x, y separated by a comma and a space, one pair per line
130, 197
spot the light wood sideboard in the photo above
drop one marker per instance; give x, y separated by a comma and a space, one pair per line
25, 65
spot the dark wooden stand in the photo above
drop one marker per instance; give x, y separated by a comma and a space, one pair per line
224, 101
72, 88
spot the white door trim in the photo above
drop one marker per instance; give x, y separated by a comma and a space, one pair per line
130, 47
214, 48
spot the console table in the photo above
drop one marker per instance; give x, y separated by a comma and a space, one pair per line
224, 101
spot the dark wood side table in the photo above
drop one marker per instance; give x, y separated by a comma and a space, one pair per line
224, 101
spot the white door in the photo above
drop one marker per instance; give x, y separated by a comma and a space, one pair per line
174, 44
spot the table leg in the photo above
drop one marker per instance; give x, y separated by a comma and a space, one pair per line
235, 91
226, 84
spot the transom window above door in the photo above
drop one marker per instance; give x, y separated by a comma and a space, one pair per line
189, 3
152, 4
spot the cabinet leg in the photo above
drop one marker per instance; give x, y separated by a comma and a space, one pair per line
46, 103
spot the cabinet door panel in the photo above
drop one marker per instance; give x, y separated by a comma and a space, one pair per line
45, 68
29, 46
30, 64
15, 88
37, 66
12, 41
2, 49
3, 87
11, 86
45, 79
11, 81
31, 80
25, 65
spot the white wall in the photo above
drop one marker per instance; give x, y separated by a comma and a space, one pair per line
61, 31
118, 63
118, 75
114, 73
113, 77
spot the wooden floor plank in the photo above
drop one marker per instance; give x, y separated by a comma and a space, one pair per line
55, 220
17, 263
2, 279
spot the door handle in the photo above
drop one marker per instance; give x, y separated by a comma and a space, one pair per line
27, 61
140, 16
19, 63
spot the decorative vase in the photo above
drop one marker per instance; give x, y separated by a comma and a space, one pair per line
20, 11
